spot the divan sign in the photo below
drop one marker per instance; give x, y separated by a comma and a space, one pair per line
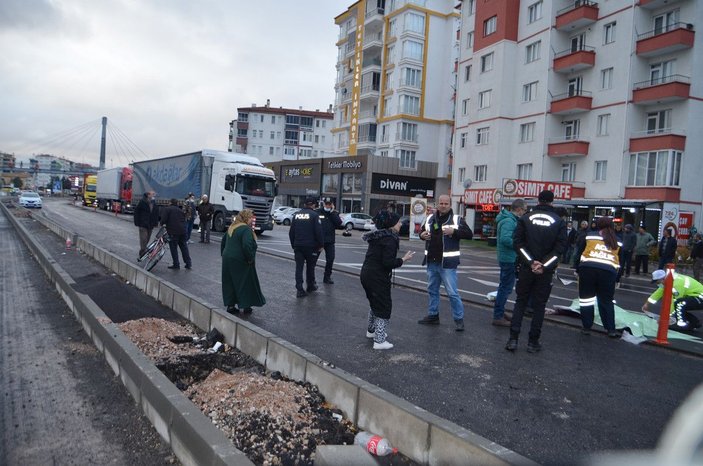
401, 185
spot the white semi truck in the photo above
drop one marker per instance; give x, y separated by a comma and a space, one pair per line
232, 182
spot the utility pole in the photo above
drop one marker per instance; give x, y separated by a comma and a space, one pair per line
102, 145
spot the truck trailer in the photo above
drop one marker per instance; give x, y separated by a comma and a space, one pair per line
231, 181
114, 189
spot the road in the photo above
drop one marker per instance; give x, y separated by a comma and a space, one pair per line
580, 395
61, 403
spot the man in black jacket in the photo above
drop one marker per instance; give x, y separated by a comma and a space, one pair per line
539, 240
667, 249
146, 217
330, 222
175, 221
306, 240
205, 212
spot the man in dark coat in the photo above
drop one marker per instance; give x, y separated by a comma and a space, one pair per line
146, 217
329, 218
205, 212
306, 240
175, 222
667, 249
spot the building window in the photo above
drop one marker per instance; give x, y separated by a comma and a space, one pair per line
534, 12
660, 73
470, 5
658, 122
527, 132
412, 77
465, 107
388, 83
524, 171
262, 119
487, 62
467, 73
462, 140
490, 25
462, 174
415, 23
666, 22
482, 136
484, 99
272, 135
387, 106
261, 133
384, 153
271, 150
603, 123
469, 40
532, 51
243, 117
241, 133
661, 168
609, 33
407, 158
480, 172
571, 129
390, 53
601, 170
278, 135
568, 171
412, 50
606, 78
408, 132
529, 92
410, 105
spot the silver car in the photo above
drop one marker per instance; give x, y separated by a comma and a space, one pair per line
357, 221
30, 200
285, 217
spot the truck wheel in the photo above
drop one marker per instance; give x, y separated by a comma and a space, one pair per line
219, 223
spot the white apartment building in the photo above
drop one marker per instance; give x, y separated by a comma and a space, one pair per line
275, 134
598, 100
394, 87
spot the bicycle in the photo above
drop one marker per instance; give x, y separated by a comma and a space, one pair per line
155, 250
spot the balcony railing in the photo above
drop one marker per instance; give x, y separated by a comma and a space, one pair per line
375, 13
565, 53
577, 15
574, 93
577, 4
366, 138
678, 78
411, 138
664, 30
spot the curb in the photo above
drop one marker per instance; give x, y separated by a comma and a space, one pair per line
422, 436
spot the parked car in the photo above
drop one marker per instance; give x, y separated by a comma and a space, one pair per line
30, 199
286, 217
356, 221
280, 209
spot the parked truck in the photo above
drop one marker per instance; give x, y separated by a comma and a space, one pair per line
114, 189
89, 187
232, 182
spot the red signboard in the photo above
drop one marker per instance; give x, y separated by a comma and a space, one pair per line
481, 196
531, 188
685, 224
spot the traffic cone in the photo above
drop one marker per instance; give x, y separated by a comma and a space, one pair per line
69, 243
663, 330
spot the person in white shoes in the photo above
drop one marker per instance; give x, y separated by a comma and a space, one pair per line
376, 273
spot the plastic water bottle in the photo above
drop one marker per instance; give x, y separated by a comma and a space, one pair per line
374, 444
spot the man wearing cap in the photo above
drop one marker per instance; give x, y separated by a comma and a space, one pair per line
539, 240
687, 296
307, 241
330, 222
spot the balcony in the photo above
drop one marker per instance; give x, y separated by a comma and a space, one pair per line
580, 14
367, 116
243, 124
568, 147
656, 4
660, 193
370, 92
666, 139
374, 40
665, 40
570, 61
374, 16
571, 103
660, 90
241, 141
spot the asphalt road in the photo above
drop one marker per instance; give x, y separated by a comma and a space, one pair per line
580, 395
61, 404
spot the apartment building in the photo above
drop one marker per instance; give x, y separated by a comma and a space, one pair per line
275, 134
394, 96
596, 100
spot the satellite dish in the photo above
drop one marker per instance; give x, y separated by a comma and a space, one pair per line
467, 183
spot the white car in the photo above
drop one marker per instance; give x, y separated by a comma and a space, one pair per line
285, 217
30, 200
357, 221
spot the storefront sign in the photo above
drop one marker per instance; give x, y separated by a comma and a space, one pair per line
299, 173
344, 165
401, 185
356, 86
481, 196
685, 224
488, 207
529, 188
418, 215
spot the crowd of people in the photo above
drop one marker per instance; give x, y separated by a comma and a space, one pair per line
530, 246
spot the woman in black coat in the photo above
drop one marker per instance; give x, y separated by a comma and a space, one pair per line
376, 273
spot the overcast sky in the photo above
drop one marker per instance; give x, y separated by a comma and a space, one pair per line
168, 74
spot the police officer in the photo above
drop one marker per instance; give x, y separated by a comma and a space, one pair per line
539, 241
330, 222
307, 241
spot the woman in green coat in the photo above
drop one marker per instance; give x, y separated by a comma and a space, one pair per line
240, 283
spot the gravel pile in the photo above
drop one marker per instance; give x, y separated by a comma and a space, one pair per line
273, 420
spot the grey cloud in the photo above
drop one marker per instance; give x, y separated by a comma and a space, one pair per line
28, 14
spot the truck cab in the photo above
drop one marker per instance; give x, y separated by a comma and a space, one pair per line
90, 183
